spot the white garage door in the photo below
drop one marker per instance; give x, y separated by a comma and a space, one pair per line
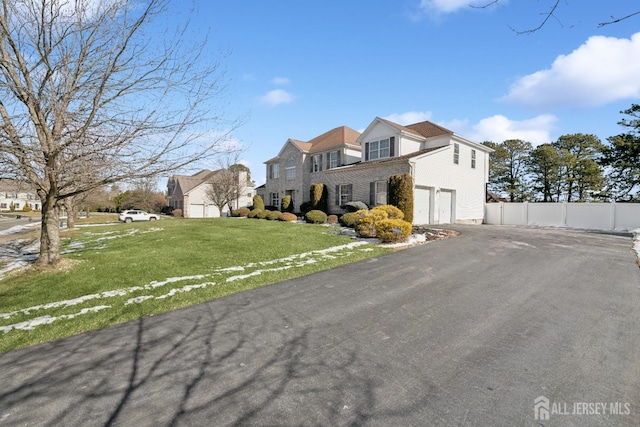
445, 207
196, 211
212, 211
421, 206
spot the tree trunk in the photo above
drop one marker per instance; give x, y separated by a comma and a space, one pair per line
49, 233
69, 206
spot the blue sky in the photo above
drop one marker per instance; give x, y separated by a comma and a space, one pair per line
300, 68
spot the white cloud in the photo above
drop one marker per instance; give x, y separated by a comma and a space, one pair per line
280, 81
499, 128
602, 70
276, 97
448, 6
409, 117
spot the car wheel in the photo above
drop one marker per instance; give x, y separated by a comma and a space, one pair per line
152, 219
127, 220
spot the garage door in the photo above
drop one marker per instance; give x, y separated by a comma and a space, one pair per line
445, 207
196, 211
421, 206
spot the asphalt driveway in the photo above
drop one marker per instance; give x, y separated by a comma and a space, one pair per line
465, 331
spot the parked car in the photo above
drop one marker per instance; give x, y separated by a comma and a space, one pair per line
137, 215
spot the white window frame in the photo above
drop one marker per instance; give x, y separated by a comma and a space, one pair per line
473, 159
333, 159
345, 195
291, 169
274, 171
456, 153
275, 199
316, 162
378, 151
380, 190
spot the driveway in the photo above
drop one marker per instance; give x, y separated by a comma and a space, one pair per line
465, 331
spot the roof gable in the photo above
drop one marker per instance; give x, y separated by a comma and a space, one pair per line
422, 130
339, 136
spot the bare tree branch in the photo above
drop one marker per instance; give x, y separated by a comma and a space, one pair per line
616, 20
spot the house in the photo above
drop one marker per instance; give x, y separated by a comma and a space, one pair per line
449, 171
189, 193
17, 194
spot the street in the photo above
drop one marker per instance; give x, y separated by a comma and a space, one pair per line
467, 331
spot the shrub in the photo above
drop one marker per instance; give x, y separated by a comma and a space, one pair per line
26, 208
318, 196
272, 208
316, 217
287, 206
305, 207
273, 215
177, 213
253, 213
332, 219
348, 219
240, 212
366, 220
355, 206
262, 213
392, 211
401, 194
287, 216
258, 203
393, 230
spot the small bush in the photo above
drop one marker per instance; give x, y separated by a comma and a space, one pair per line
253, 213
273, 215
316, 217
332, 219
305, 207
288, 216
355, 206
366, 221
26, 208
241, 212
392, 211
262, 214
177, 213
258, 203
348, 219
393, 230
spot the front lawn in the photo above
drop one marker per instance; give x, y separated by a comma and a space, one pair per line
115, 273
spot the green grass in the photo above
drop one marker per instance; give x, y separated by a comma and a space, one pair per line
204, 259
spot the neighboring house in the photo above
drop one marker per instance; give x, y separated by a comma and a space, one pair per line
449, 171
189, 193
19, 194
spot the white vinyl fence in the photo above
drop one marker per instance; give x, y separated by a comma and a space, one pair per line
598, 216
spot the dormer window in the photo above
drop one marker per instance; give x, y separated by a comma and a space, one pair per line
334, 159
381, 149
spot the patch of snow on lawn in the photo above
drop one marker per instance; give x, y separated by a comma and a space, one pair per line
45, 320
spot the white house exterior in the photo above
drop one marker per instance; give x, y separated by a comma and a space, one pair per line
17, 194
449, 172
189, 193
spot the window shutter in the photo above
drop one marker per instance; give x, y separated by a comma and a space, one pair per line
320, 162
328, 160
337, 195
339, 163
372, 194
350, 189
311, 170
392, 141
366, 151
387, 191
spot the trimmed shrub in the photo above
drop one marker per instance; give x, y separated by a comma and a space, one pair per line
262, 213
355, 206
240, 212
287, 216
177, 213
392, 211
393, 230
258, 203
273, 215
332, 219
253, 213
401, 194
287, 206
348, 219
305, 207
366, 220
318, 196
316, 217
26, 208
272, 208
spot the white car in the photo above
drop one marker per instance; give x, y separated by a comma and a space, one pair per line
137, 215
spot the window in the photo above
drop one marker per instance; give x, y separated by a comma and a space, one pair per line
274, 171
316, 163
3, 206
473, 159
379, 149
456, 153
12, 195
291, 169
378, 193
343, 194
334, 159
275, 199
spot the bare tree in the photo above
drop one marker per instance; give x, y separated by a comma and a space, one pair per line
226, 184
550, 13
95, 92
